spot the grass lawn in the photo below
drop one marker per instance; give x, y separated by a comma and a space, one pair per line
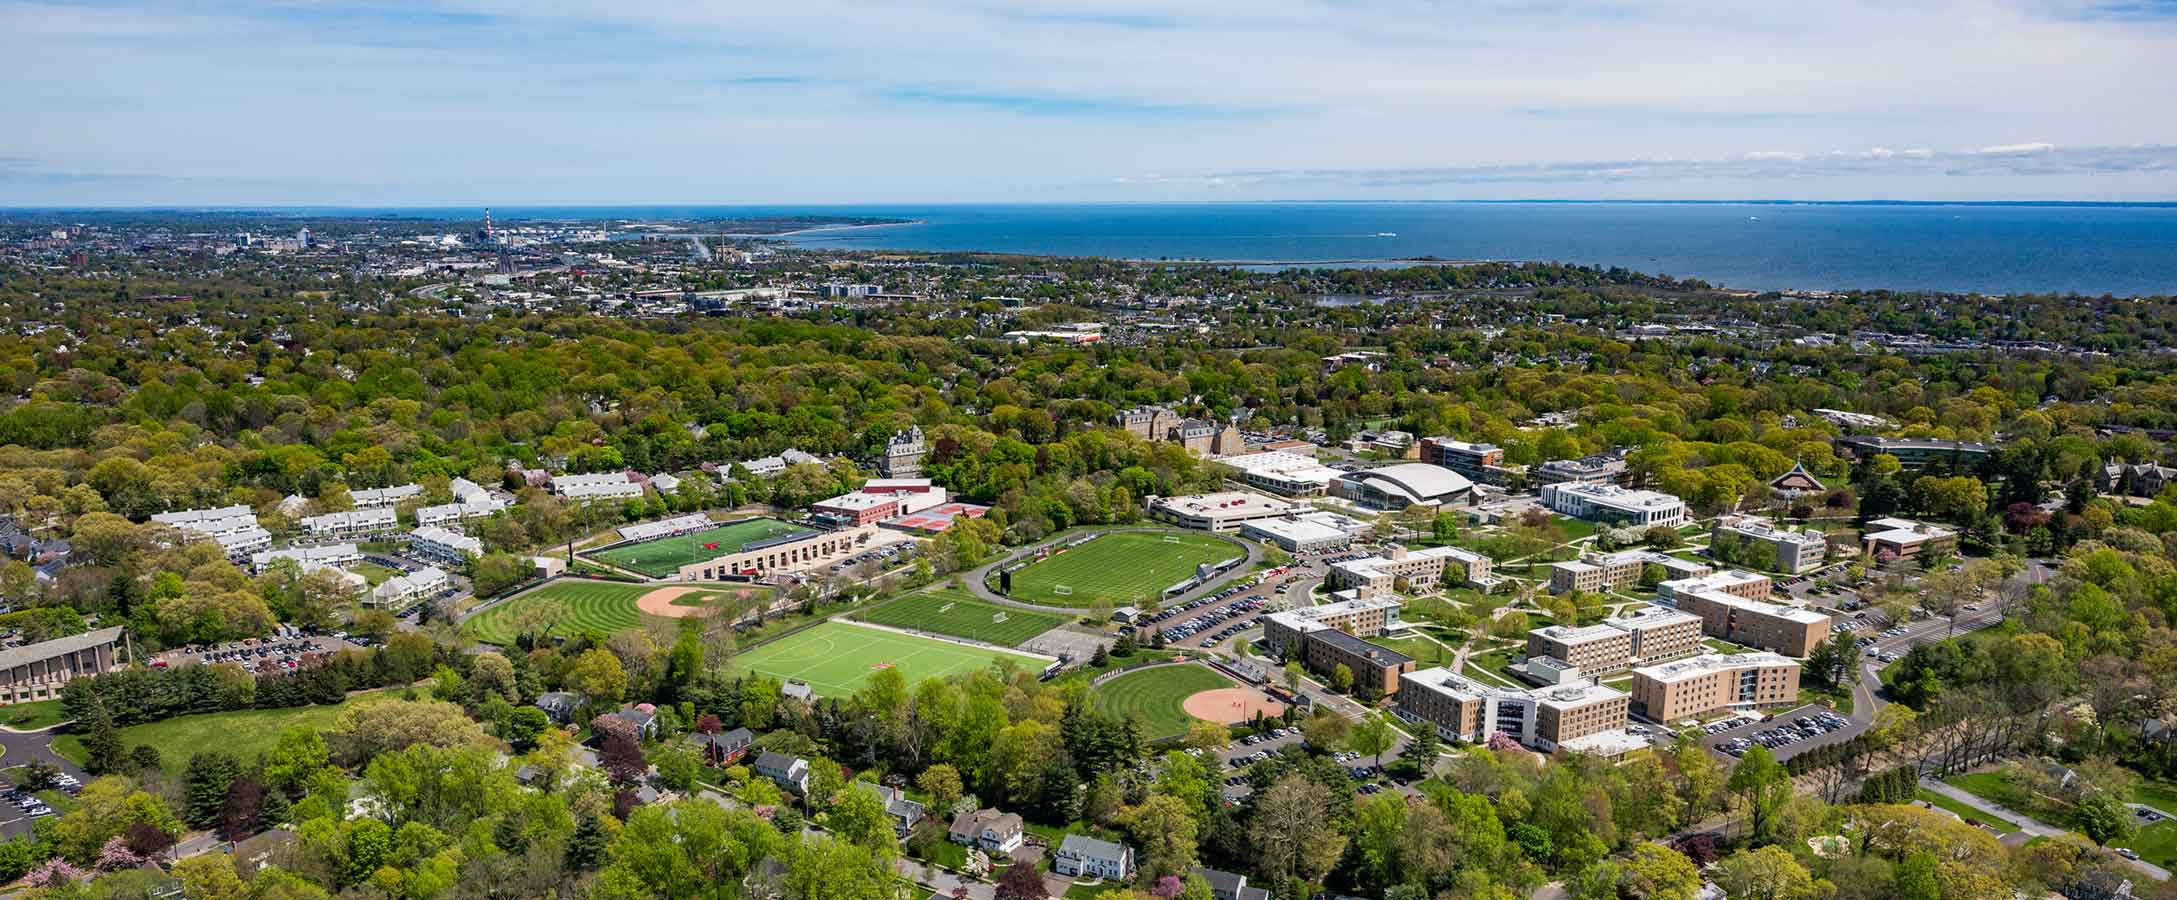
836, 657
2156, 843
372, 572
1967, 813
1723, 646
665, 556
32, 716
952, 611
1121, 568
1991, 786
1424, 651
1498, 663
2161, 795
1156, 693
244, 733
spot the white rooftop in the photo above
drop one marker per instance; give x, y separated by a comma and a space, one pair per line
1711, 663
1226, 503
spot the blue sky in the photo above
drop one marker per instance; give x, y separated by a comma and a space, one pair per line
553, 101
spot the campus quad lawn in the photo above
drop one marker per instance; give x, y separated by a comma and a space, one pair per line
1157, 692
1965, 812
954, 612
665, 556
244, 733
1122, 568
835, 657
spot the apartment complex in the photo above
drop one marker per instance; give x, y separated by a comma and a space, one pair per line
371, 498
1597, 573
598, 486
1753, 541
1614, 505
1703, 684
1654, 633
1580, 718
1734, 606
1373, 577
1375, 669
406, 590
356, 523
337, 556
441, 545
234, 527
1888, 540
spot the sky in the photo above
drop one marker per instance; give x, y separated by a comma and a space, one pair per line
250, 102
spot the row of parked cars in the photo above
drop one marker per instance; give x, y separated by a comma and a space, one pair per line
1804, 728
36, 808
255, 655
879, 555
1196, 624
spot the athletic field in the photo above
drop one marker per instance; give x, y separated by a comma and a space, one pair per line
1122, 568
955, 612
665, 556
602, 606
1157, 694
835, 657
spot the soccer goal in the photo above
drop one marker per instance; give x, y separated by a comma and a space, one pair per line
1062, 590
1171, 538
944, 609
997, 618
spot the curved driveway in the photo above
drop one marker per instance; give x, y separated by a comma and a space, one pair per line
976, 579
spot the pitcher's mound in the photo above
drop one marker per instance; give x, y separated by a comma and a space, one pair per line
1231, 706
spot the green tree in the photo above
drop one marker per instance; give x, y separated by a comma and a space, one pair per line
204, 786
1763, 785
2104, 818
1371, 736
1656, 872
1764, 873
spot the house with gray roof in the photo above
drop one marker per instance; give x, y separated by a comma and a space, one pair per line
1081, 855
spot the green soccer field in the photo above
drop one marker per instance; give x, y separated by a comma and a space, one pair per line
665, 556
957, 613
1121, 568
835, 657
1157, 692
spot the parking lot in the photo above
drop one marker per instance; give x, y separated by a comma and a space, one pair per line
284, 650
1786, 734
1231, 608
25, 806
883, 556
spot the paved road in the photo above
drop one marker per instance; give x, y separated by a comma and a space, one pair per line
976, 578
2027, 824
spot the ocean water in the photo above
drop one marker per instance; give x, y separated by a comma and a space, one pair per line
2120, 249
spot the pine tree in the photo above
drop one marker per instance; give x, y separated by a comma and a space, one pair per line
204, 787
102, 750
586, 847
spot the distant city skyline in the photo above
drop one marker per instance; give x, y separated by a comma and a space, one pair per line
553, 102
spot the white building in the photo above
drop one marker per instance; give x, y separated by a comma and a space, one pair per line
351, 524
598, 486
466, 491
1583, 718
403, 591
234, 527
1309, 532
369, 498
1224, 511
1279, 472
459, 511
338, 556
441, 545
1614, 505
1403, 485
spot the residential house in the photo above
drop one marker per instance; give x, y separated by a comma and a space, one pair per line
988, 830
644, 720
1230, 886
786, 771
904, 812
1080, 855
560, 706
724, 749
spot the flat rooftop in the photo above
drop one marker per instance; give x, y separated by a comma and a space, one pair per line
1226, 503
1710, 664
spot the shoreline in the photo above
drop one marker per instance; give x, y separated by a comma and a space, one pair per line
818, 228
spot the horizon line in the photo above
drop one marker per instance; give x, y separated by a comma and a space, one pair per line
1652, 201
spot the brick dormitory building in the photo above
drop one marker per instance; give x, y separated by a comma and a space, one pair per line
1325, 637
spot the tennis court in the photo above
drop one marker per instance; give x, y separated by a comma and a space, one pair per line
1121, 568
834, 658
664, 556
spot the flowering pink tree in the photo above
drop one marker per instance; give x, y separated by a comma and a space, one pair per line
54, 873
116, 855
1169, 887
